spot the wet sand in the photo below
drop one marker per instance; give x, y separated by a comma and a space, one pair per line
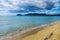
43, 32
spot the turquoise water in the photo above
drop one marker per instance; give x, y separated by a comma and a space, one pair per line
12, 23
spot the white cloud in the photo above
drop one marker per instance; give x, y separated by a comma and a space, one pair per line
40, 3
55, 0
6, 5
15, 4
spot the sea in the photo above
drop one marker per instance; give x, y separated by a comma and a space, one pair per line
10, 24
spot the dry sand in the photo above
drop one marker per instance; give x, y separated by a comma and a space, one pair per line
46, 32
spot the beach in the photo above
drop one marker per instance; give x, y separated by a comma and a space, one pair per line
29, 19
46, 32
50, 33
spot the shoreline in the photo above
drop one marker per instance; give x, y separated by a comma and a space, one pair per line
26, 32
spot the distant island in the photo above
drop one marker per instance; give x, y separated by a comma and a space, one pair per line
19, 15
38, 14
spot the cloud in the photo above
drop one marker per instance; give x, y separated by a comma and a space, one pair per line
6, 5
16, 4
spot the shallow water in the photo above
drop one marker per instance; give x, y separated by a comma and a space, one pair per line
12, 23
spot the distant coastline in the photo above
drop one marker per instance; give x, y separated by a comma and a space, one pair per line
38, 14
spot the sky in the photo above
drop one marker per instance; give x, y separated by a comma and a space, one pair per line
12, 7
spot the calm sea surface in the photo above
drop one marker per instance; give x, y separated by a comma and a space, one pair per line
12, 23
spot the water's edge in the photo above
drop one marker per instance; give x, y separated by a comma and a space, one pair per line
23, 32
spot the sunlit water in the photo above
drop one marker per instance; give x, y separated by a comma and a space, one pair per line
12, 23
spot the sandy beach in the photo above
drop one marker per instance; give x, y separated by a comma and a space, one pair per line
43, 32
